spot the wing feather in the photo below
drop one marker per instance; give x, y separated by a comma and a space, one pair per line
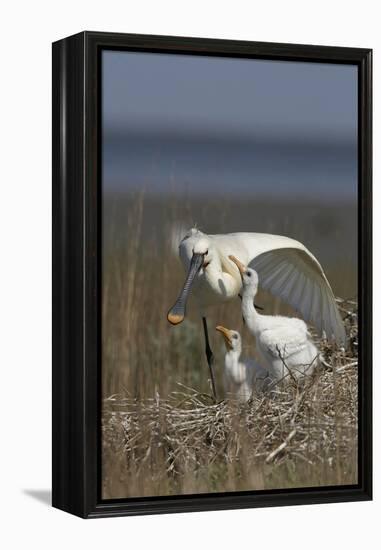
274, 272
283, 275
299, 290
297, 277
291, 283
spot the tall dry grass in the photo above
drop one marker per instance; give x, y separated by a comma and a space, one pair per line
303, 433
144, 359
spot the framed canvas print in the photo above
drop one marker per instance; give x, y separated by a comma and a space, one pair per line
211, 274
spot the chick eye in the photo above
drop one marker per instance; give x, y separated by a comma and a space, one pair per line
248, 273
206, 253
235, 336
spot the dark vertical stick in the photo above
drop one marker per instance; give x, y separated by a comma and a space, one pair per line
209, 357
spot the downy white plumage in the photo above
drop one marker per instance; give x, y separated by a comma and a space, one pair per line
242, 376
283, 343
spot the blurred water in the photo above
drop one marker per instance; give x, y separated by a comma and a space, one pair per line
248, 167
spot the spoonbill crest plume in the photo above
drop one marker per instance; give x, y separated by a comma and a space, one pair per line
283, 343
241, 376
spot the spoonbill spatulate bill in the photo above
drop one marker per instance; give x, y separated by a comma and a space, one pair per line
241, 375
283, 343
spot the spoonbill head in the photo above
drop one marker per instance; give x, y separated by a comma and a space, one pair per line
208, 272
232, 339
249, 277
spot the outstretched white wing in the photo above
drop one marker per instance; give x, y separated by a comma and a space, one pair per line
287, 269
297, 278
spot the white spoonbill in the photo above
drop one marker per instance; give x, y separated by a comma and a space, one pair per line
241, 376
286, 268
283, 343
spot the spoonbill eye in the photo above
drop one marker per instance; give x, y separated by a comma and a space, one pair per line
235, 336
248, 273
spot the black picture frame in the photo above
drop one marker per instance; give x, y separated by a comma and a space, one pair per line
76, 273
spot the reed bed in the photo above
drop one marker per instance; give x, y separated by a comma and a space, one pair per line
299, 433
162, 434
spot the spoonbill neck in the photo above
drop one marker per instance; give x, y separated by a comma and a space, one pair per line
253, 319
220, 281
232, 358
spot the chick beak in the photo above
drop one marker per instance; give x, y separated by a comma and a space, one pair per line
226, 333
240, 265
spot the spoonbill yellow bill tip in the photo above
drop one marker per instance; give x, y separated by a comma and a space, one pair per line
174, 318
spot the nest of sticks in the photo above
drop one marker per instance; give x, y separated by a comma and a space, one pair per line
308, 421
